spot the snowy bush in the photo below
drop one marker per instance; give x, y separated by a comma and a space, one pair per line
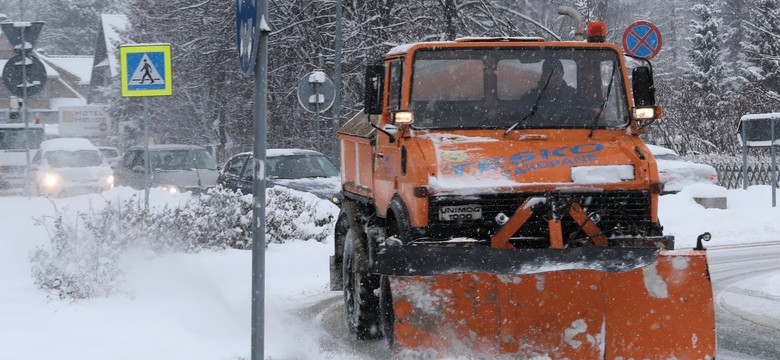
85, 256
81, 263
294, 215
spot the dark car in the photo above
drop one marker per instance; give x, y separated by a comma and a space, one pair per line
303, 170
176, 168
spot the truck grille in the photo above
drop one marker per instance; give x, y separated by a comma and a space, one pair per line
619, 213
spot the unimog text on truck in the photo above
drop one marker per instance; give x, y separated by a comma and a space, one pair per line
500, 202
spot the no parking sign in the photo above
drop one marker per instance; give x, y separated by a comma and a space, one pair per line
642, 39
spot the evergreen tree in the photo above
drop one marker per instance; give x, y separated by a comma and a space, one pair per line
72, 25
706, 69
761, 46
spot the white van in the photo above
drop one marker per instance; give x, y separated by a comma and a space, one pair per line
69, 166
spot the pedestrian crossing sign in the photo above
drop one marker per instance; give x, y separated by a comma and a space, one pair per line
145, 70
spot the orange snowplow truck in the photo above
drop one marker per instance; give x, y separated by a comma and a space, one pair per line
500, 203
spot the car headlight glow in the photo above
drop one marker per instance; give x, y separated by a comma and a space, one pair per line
173, 189
110, 180
51, 180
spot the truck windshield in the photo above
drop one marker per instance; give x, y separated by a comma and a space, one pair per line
524, 87
12, 138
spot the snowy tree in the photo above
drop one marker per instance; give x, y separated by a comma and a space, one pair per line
72, 25
761, 46
733, 12
706, 69
21, 10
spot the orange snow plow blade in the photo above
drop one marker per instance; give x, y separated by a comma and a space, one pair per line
658, 311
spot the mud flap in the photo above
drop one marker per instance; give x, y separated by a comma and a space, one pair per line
662, 309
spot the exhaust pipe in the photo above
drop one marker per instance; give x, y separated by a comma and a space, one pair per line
575, 16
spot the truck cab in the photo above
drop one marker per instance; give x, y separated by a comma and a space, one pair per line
464, 130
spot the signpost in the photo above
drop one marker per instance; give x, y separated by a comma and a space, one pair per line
145, 70
642, 39
20, 67
23, 74
252, 32
760, 130
316, 92
246, 34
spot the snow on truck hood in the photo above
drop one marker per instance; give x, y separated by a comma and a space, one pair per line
467, 164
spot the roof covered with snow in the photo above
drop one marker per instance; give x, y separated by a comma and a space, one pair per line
81, 66
113, 25
50, 72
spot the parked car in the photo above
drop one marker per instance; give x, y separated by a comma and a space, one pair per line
111, 154
303, 170
175, 168
69, 166
676, 172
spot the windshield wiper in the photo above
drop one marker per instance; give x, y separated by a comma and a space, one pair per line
533, 108
596, 118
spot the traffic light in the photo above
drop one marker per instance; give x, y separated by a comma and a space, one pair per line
15, 105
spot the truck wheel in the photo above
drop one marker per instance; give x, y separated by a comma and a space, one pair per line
398, 226
360, 301
337, 260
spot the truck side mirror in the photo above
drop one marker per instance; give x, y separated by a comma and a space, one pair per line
642, 86
374, 81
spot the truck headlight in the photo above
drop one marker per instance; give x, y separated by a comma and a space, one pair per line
647, 113
403, 117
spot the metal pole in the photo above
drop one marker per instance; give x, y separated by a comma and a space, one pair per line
260, 119
337, 84
317, 115
24, 110
320, 119
774, 162
147, 156
744, 156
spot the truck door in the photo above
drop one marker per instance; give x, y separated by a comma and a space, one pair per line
387, 159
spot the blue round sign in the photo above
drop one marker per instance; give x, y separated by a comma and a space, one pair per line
642, 39
247, 34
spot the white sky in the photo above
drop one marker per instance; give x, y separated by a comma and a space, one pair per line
197, 306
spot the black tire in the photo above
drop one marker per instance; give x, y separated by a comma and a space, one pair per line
339, 236
400, 227
361, 304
